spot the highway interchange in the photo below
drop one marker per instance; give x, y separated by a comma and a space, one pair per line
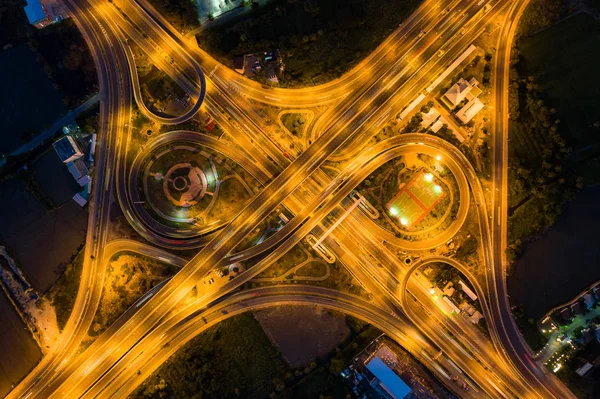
358, 102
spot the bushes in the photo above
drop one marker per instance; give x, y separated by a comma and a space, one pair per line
318, 40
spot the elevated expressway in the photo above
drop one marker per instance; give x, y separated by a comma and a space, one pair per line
481, 202
391, 81
109, 350
112, 118
233, 233
511, 339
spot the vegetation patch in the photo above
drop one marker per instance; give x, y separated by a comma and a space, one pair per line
64, 291
232, 359
236, 359
128, 277
552, 146
318, 40
182, 14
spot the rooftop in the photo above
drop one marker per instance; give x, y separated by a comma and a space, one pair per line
389, 380
466, 113
67, 149
459, 91
35, 11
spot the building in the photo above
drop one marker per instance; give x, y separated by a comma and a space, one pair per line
576, 307
461, 90
449, 289
37, 14
81, 198
566, 314
79, 172
467, 290
430, 117
466, 113
583, 370
589, 300
391, 383
67, 149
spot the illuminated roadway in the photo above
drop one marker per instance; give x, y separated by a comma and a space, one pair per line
344, 127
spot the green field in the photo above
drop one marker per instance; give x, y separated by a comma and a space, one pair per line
416, 199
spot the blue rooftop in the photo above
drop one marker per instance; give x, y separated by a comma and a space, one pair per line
35, 12
388, 379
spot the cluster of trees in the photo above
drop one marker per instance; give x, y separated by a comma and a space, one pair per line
319, 40
541, 179
64, 291
487, 69
67, 60
182, 14
542, 14
236, 359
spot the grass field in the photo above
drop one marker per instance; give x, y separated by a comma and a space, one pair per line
416, 199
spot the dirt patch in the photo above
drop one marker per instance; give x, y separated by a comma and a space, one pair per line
303, 333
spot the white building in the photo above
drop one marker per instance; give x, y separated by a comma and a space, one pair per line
472, 108
461, 90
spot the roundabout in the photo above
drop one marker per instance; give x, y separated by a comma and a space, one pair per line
185, 186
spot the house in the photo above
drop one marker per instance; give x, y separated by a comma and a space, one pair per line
460, 91
597, 332
596, 292
566, 314
589, 300
576, 307
36, 14
466, 113
467, 291
67, 149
